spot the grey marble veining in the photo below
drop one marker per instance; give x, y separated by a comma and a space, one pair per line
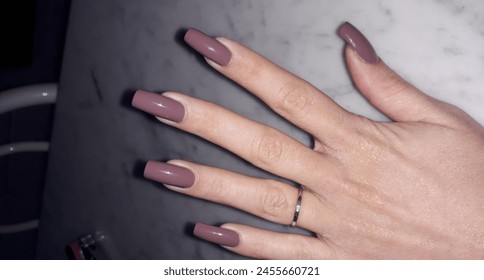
116, 46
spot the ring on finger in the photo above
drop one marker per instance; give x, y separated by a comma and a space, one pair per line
298, 207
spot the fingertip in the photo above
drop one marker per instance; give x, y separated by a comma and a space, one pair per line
179, 162
177, 96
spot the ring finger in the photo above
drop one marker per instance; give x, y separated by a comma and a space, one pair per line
269, 199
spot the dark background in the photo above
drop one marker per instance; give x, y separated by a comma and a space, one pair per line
32, 39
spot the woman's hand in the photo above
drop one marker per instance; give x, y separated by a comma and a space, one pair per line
411, 188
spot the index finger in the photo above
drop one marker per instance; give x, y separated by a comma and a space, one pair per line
288, 95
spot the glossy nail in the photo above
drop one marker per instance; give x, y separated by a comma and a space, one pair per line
169, 174
358, 42
208, 46
158, 105
218, 235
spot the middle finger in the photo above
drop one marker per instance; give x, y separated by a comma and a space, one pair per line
263, 146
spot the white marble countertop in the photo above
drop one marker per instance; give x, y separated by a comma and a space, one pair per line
117, 46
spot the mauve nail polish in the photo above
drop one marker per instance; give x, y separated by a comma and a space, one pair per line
169, 174
208, 46
218, 235
158, 105
358, 42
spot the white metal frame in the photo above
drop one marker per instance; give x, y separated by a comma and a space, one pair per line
17, 98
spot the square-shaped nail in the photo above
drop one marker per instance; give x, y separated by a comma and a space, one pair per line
158, 105
218, 235
208, 46
358, 42
169, 174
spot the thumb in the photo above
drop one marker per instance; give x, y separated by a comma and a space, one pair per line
379, 84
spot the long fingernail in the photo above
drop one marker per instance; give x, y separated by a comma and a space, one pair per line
208, 46
218, 235
158, 105
358, 42
169, 174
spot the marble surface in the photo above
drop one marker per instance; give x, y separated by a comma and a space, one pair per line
116, 46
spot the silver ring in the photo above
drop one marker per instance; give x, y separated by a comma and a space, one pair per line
298, 208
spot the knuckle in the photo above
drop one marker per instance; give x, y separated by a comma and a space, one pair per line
274, 203
292, 98
268, 149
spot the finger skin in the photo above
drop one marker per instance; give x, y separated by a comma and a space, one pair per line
263, 146
390, 93
287, 94
263, 244
269, 199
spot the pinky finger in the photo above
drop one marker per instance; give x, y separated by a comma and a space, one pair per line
263, 244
